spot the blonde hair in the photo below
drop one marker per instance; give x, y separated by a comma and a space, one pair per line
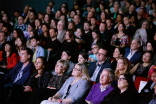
84, 69
65, 64
127, 67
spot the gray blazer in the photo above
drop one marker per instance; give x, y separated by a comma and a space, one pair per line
76, 91
61, 36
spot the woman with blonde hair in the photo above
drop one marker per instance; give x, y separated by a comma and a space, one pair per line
70, 91
123, 67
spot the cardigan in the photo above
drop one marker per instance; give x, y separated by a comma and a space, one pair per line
11, 61
76, 91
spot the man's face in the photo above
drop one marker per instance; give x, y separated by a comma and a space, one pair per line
26, 9
24, 57
20, 20
140, 12
2, 37
5, 29
31, 16
108, 23
93, 21
76, 19
126, 20
86, 26
34, 42
144, 25
48, 10
102, 27
143, 4
16, 14
104, 77
116, 8
134, 45
101, 55
131, 8
52, 33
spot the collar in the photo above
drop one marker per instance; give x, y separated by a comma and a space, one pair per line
132, 52
104, 88
97, 64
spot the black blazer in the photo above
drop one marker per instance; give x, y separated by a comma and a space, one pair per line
43, 79
92, 68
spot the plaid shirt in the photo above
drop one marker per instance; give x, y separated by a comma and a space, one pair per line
23, 27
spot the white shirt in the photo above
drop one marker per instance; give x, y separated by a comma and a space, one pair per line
95, 74
104, 88
130, 55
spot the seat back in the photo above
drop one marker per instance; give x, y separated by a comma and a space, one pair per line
138, 80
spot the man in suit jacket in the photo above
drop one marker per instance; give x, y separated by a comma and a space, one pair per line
95, 68
18, 76
133, 53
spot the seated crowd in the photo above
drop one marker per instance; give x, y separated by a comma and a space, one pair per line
91, 54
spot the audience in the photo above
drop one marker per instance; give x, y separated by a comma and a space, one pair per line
106, 30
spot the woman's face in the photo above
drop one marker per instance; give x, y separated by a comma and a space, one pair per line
44, 28
95, 49
65, 56
70, 26
19, 42
40, 16
119, 19
127, 5
132, 19
94, 35
116, 53
120, 65
153, 77
39, 64
122, 82
120, 27
155, 36
63, 10
37, 23
62, 17
7, 47
67, 36
46, 18
77, 72
29, 28
14, 34
103, 16
146, 57
31, 34
58, 14
78, 33
81, 59
59, 68
149, 47
53, 23
101, 7
153, 6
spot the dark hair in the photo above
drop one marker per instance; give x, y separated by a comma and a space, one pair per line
55, 20
122, 51
87, 22
97, 44
107, 49
124, 28
12, 49
74, 27
153, 45
71, 34
21, 16
151, 53
68, 52
66, 20
53, 29
29, 51
5, 34
104, 23
23, 40
128, 78
39, 21
84, 55
44, 62
34, 32
36, 38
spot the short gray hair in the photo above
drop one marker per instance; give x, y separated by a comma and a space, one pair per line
111, 73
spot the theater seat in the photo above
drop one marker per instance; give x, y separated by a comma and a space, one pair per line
138, 80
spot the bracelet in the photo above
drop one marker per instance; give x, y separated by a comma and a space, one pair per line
60, 101
31, 89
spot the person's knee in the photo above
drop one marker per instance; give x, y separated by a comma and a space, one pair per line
44, 102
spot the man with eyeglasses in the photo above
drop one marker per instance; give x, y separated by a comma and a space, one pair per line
95, 68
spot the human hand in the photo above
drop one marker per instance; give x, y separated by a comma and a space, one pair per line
93, 60
55, 100
50, 99
27, 88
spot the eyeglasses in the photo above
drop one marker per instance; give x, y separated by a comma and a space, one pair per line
76, 69
153, 76
121, 79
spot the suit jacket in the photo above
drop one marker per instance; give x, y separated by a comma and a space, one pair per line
92, 68
136, 58
11, 76
11, 61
